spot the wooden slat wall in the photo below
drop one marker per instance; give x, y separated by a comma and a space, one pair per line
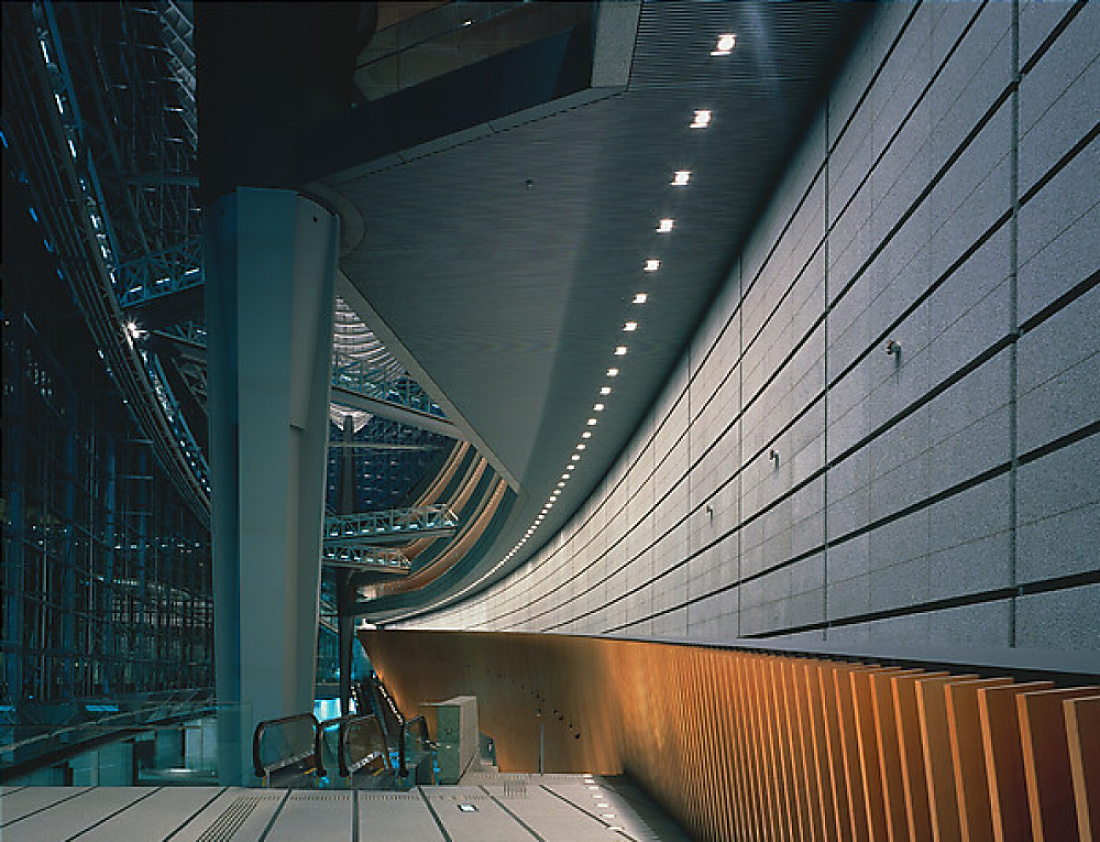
745, 746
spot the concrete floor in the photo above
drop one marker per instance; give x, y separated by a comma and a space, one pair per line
499, 808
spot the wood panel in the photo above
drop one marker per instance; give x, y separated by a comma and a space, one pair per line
1046, 762
1083, 734
756, 748
968, 759
890, 760
1004, 760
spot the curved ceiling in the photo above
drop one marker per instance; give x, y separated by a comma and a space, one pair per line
500, 263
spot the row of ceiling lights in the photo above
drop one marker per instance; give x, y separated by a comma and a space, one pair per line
701, 119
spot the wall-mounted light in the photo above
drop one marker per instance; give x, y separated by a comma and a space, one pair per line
701, 119
893, 348
773, 454
725, 44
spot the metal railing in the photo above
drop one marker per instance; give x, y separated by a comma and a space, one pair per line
435, 520
365, 559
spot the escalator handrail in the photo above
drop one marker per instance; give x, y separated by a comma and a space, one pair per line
425, 739
346, 724
257, 738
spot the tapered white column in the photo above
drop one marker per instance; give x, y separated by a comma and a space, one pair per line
271, 259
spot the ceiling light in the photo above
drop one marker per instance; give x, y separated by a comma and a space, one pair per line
565, 476
725, 44
664, 226
613, 372
591, 422
581, 446
575, 457
570, 467
602, 804
652, 264
605, 390
620, 351
681, 178
701, 120
629, 326
640, 298
561, 485
598, 407
586, 435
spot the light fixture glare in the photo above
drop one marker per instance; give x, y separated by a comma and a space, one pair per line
640, 298
681, 177
652, 264
702, 119
725, 44
665, 225
620, 351
629, 326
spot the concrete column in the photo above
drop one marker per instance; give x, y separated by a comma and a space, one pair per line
270, 266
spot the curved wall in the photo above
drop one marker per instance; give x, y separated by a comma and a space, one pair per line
946, 495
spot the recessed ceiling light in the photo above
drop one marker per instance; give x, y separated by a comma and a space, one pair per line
620, 351
586, 435
608, 815
581, 446
591, 422
561, 485
605, 390
575, 457
664, 226
725, 44
570, 467
701, 120
640, 298
629, 326
565, 476
593, 787
613, 372
603, 804
598, 407
652, 264
681, 177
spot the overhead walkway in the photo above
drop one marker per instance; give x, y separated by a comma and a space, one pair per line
403, 525
554, 808
366, 559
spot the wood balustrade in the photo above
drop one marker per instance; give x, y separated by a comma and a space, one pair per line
746, 746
